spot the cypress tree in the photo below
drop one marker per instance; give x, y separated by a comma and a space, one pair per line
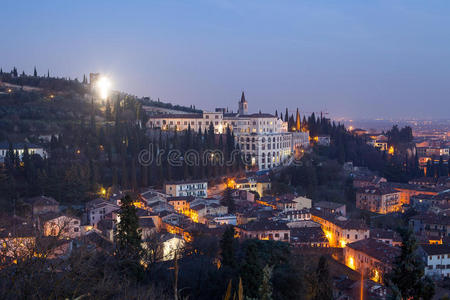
407, 278
128, 235
324, 287
227, 247
35, 72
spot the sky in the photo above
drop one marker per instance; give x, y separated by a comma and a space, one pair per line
351, 58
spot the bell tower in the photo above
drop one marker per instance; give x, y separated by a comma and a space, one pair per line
243, 106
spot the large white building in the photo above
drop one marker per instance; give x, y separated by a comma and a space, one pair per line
263, 138
436, 259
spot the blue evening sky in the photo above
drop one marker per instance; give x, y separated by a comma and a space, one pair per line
356, 59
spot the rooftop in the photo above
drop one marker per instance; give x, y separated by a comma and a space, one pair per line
376, 249
436, 249
328, 205
263, 225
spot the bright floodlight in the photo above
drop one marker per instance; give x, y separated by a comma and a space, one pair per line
103, 85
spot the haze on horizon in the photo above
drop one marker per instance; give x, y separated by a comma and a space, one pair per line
355, 59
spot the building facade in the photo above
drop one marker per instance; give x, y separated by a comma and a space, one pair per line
378, 200
196, 188
263, 138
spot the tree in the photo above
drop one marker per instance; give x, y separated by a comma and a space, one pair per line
228, 200
265, 289
324, 290
227, 244
128, 234
407, 278
35, 72
251, 271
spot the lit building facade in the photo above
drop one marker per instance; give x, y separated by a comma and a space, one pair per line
339, 230
370, 257
378, 200
196, 188
263, 138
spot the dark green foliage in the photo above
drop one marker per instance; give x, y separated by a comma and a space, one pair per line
228, 200
128, 236
407, 278
324, 286
227, 247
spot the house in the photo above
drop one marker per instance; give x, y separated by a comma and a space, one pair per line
60, 225
52, 247
295, 215
171, 244
264, 230
386, 236
409, 190
339, 230
436, 259
147, 227
196, 188
433, 226
198, 212
285, 204
331, 207
95, 242
181, 203
19, 149
309, 237
42, 205
370, 257
292, 202
382, 200
259, 184
17, 239
368, 180
425, 201
226, 220
97, 209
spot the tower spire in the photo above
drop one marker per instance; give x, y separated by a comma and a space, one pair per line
243, 97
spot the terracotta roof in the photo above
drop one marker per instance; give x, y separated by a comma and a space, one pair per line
436, 249
376, 249
383, 190
177, 116
308, 235
263, 225
146, 223
385, 234
328, 205
181, 198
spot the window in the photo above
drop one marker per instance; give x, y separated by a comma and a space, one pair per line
76, 229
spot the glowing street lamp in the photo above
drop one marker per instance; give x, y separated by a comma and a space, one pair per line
103, 85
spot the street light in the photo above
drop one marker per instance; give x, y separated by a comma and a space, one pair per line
103, 85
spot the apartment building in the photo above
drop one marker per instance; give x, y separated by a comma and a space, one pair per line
380, 200
196, 188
